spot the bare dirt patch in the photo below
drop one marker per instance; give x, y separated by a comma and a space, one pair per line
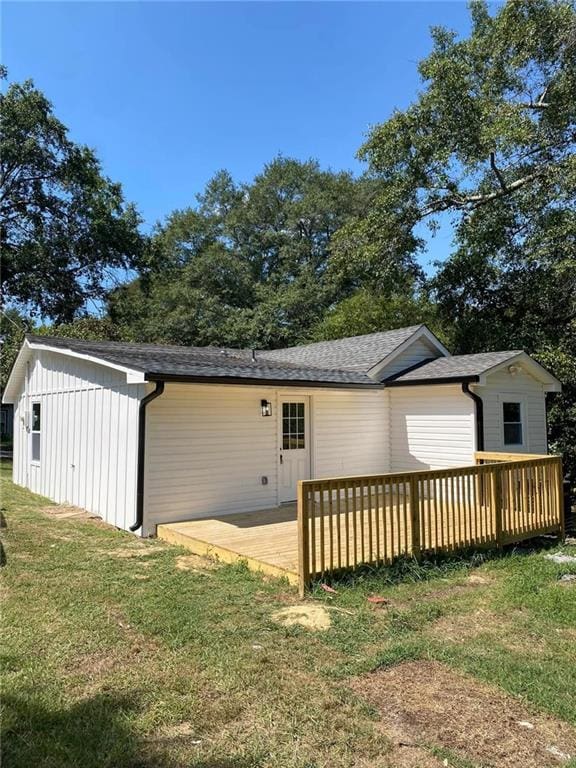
183, 730
128, 552
459, 628
314, 617
195, 563
63, 512
478, 578
427, 703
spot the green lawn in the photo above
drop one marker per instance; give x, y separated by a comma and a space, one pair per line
113, 656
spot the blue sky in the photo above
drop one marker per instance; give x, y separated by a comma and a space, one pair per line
169, 93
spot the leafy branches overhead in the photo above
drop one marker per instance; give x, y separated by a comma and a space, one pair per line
250, 264
487, 148
497, 116
498, 113
64, 225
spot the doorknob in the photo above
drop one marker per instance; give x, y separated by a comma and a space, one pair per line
281, 459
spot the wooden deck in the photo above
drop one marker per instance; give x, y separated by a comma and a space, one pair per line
267, 540
342, 523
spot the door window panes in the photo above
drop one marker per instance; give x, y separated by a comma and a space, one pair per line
293, 426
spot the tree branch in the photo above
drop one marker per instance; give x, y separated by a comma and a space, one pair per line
539, 104
497, 172
461, 202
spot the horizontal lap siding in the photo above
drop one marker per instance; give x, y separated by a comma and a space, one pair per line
351, 433
207, 449
417, 352
501, 386
431, 427
89, 430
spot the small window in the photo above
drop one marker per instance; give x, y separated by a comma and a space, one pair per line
35, 431
293, 428
512, 420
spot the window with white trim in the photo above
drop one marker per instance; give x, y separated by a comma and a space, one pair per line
512, 423
35, 432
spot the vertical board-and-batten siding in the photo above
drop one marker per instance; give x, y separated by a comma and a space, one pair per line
208, 447
88, 436
500, 387
431, 427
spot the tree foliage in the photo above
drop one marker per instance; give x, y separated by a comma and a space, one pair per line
487, 148
64, 225
250, 264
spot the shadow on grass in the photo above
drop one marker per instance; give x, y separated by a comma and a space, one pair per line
408, 569
93, 733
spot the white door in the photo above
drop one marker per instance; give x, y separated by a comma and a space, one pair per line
294, 446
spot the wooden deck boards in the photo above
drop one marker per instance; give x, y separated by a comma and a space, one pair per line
266, 539
346, 522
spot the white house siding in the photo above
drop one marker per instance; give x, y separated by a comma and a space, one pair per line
88, 443
501, 387
208, 447
351, 433
417, 352
431, 427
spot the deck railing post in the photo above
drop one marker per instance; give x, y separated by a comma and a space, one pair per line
415, 517
563, 497
303, 541
496, 498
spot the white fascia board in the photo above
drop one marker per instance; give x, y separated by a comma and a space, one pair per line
18, 369
537, 371
135, 376
422, 332
16, 374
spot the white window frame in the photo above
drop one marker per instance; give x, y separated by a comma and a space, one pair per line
512, 398
35, 462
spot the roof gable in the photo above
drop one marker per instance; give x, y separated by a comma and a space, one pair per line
354, 353
471, 368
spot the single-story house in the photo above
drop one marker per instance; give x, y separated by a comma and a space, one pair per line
144, 434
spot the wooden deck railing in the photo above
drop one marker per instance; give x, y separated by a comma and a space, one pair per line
344, 522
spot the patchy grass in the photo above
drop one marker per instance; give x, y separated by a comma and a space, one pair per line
127, 653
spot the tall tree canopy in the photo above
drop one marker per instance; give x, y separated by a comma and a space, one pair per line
249, 264
488, 148
64, 225
494, 126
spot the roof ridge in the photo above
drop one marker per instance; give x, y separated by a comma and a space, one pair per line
412, 328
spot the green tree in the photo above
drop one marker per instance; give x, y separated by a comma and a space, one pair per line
367, 312
13, 327
65, 227
488, 148
249, 265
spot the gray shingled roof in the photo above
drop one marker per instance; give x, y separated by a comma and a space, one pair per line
458, 367
355, 353
204, 362
344, 362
